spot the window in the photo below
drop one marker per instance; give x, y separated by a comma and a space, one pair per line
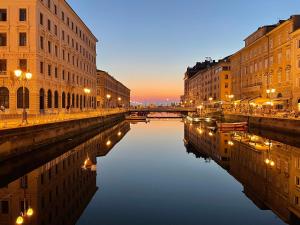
41, 19
55, 9
3, 15
49, 4
226, 85
42, 42
63, 16
298, 43
3, 66
55, 29
49, 70
3, 39
23, 64
63, 35
41, 67
49, 98
297, 181
55, 72
4, 207
279, 73
22, 15
4, 97
22, 39
49, 47
296, 200
49, 25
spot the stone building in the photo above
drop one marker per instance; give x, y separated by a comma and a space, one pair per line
208, 82
264, 69
111, 93
48, 39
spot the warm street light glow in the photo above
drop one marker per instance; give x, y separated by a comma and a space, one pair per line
200, 107
272, 163
108, 142
267, 161
230, 143
200, 130
210, 133
119, 99
268, 91
28, 76
119, 133
18, 73
87, 90
273, 90
108, 96
210, 99
29, 212
20, 220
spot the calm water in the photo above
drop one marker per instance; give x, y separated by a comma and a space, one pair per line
160, 173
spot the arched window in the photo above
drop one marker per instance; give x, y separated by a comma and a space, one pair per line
279, 95
56, 99
4, 97
42, 99
84, 101
20, 98
77, 101
49, 98
80, 101
63, 100
68, 100
73, 100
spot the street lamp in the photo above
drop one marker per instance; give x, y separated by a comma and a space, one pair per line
23, 77
87, 91
119, 100
108, 96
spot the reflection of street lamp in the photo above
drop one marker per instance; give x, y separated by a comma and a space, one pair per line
23, 77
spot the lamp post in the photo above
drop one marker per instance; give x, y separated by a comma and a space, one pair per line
108, 97
23, 77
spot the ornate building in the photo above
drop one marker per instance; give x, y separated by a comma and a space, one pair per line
264, 69
49, 40
208, 82
111, 93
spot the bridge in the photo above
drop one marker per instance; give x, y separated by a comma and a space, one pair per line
182, 110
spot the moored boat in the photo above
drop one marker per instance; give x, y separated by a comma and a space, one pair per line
136, 117
232, 126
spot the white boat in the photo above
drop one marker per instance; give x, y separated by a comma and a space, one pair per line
136, 117
238, 125
193, 119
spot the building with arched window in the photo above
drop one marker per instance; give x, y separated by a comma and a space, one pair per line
58, 49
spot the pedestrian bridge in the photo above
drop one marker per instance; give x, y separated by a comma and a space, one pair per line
164, 109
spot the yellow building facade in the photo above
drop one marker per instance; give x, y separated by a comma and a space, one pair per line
111, 93
49, 40
208, 82
263, 71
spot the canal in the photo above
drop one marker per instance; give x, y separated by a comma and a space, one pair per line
159, 173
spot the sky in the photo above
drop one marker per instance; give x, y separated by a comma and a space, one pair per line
148, 44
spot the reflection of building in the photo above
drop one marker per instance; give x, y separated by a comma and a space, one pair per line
268, 170
50, 40
207, 82
59, 190
205, 142
110, 92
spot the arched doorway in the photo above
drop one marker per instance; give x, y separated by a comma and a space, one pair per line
42, 100
4, 97
20, 98
63, 100
49, 99
56, 99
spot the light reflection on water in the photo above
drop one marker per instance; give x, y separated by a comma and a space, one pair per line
163, 172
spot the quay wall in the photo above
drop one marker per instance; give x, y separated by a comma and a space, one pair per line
288, 126
17, 141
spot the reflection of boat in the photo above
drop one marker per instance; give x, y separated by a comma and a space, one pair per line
232, 126
137, 117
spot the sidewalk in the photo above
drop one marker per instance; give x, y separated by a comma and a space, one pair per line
52, 118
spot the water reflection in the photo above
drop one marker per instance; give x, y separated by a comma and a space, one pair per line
57, 191
268, 170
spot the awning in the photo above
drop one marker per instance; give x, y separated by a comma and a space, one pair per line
260, 100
